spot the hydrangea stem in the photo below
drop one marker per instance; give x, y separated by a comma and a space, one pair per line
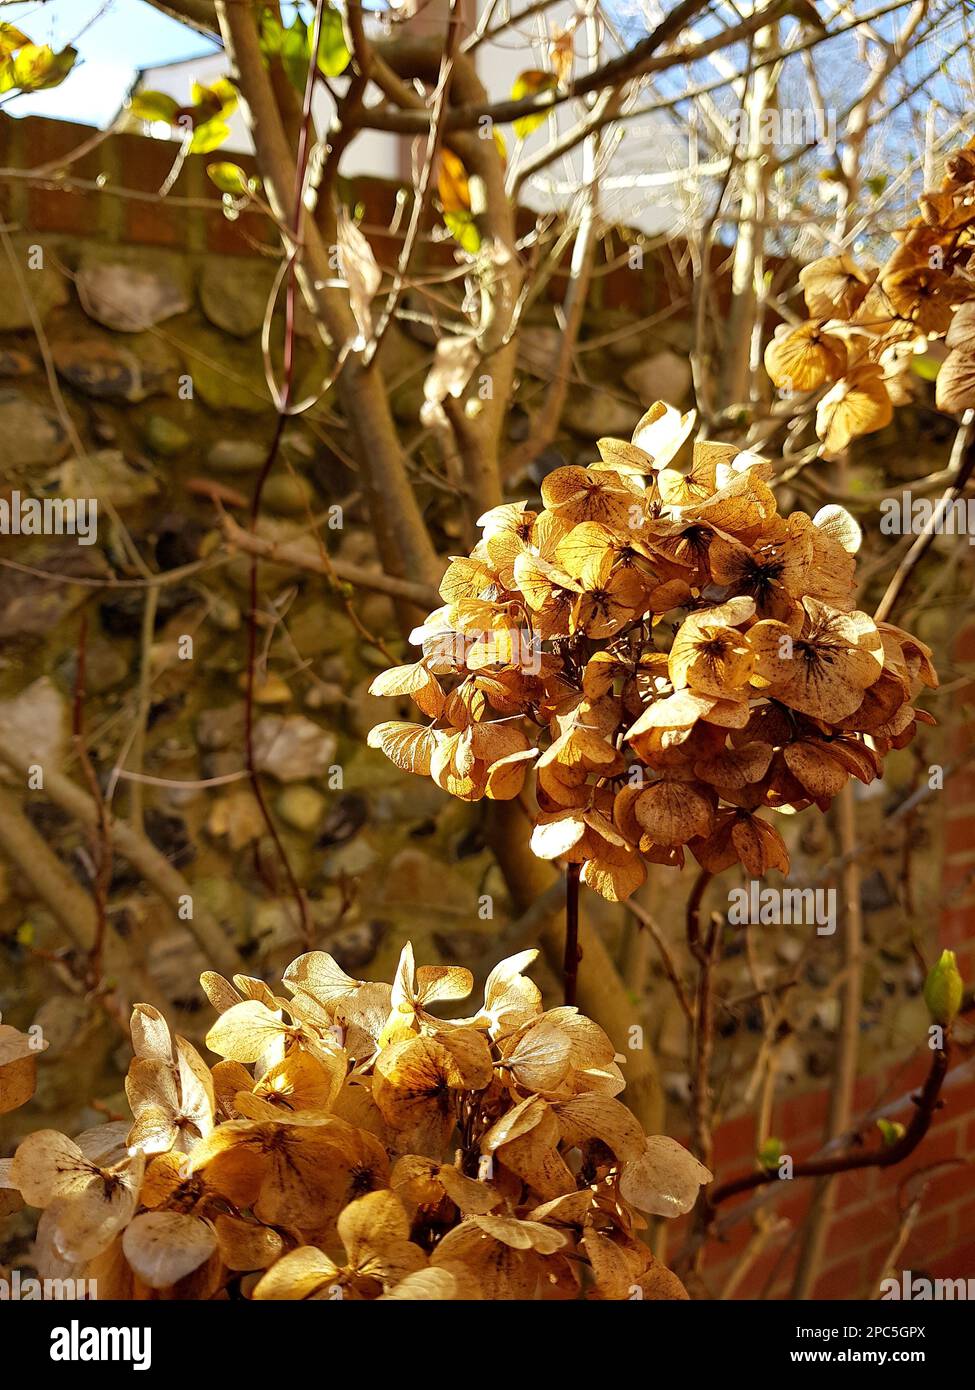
570, 963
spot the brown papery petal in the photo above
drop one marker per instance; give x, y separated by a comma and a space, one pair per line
819, 774
165, 1246
409, 746
554, 836
47, 1165
615, 879
665, 1179
501, 1272
521, 1235
442, 1285
803, 358
150, 1034
601, 1117
662, 431
245, 1245
955, 386
834, 287
302, 1273
735, 767
244, 1031
837, 523
672, 813
615, 1269
858, 404
18, 1068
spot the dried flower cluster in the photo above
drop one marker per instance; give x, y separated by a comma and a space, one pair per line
666, 653
866, 325
350, 1144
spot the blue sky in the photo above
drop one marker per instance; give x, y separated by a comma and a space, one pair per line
113, 40
116, 37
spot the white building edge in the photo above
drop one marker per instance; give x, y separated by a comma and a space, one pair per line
639, 187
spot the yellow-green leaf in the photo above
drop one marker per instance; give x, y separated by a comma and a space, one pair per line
219, 99
11, 38
463, 229
209, 136
154, 106
226, 95
36, 68
333, 56
272, 34
529, 84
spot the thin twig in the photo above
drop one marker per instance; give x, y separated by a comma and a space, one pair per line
666, 958
963, 464
703, 950
142, 854
102, 838
926, 1103
291, 554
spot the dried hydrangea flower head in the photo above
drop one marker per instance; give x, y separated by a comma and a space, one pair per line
865, 326
351, 1144
666, 654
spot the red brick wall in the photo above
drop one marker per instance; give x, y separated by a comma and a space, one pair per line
125, 167
190, 218
868, 1206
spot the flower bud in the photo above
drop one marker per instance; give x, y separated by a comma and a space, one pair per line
943, 989
890, 1131
770, 1153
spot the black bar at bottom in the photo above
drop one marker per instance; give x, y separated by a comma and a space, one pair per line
68, 1339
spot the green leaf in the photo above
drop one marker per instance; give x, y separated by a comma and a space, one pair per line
272, 34
295, 53
529, 84
209, 136
333, 56
154, 106
229, 178
463, 229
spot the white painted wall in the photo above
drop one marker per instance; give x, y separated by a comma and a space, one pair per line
648, 151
